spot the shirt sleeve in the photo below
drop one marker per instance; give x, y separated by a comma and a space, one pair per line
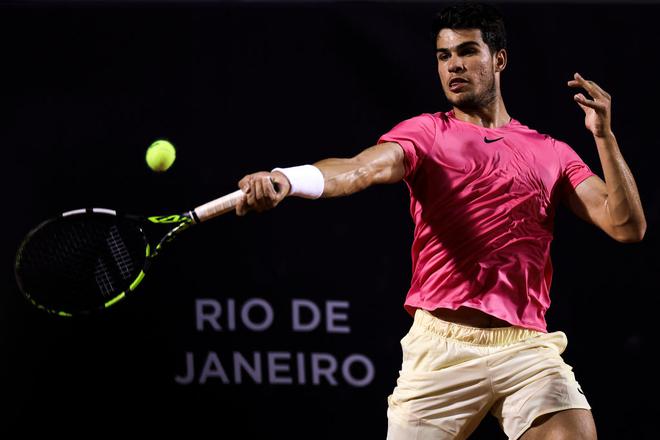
416, 136
574, 170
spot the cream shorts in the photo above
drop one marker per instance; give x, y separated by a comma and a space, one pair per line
453, 375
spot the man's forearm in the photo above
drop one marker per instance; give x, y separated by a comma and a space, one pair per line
623, 204
381, 163
343, 177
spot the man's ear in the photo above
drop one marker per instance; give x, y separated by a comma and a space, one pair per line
500, 59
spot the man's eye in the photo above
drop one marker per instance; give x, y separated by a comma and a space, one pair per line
443, 57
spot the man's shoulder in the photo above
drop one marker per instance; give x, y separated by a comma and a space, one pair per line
425, 122
429, 117
532, 133
440, 120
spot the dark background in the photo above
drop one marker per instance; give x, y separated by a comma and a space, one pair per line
239, 87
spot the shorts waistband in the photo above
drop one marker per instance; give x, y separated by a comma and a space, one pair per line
471, 335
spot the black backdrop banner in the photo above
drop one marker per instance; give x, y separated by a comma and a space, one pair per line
287, 324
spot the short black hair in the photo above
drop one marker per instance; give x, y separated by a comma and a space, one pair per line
469, 15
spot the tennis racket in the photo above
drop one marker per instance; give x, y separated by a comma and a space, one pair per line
87, 260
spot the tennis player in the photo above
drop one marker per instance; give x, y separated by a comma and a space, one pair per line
484, 189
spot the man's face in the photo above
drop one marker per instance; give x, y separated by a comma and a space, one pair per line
466, 68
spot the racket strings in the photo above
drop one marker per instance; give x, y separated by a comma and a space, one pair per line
103, 278
80, 262
120, 253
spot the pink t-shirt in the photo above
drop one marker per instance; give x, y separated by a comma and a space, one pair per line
483, 202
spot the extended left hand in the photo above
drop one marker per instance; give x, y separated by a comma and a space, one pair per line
597, 110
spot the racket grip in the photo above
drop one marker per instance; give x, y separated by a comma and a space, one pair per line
218, 206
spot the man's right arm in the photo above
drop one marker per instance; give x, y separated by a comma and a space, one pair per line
382, 163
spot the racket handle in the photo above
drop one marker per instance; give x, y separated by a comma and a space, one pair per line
218, 206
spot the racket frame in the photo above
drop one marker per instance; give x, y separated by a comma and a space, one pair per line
182, 222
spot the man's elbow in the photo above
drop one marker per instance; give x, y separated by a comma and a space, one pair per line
630, 234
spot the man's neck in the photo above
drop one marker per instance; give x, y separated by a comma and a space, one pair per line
490, 116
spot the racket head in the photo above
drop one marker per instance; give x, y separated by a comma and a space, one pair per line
81, 261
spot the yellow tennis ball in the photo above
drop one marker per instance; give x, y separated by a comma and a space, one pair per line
160, 155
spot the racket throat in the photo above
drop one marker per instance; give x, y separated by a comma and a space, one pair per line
171, 235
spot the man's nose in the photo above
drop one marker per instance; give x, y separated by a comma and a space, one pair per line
455, 64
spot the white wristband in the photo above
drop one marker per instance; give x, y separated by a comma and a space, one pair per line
306, 181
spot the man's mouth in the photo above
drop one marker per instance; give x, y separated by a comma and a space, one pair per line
456, 84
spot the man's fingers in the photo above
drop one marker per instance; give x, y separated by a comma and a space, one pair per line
240, 207
583, 100
244, 182
283, 186
582, 106
269, 191
262, 192
258, 195
258, 190
249, 195
598, 88
591, 87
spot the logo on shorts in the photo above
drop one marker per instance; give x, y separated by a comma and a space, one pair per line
580, 390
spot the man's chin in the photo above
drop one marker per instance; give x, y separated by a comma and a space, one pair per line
462, 102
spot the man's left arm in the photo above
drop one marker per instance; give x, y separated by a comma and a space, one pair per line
613, 205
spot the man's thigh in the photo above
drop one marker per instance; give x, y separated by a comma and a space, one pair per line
535, 382
573, 424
